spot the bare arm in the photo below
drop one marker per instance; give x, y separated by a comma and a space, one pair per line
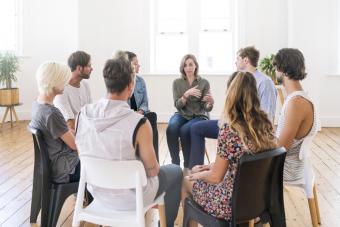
200, 168
294, 117
214, 174
146, 149
208, 101
70, 124
68, 138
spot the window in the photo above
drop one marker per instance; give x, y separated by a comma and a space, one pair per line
9, 25
201, 27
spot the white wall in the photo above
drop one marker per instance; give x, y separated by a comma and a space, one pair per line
315, 33
50, 32
54, 29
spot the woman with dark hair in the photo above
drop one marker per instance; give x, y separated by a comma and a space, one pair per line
139, 100
244, 128
193, 101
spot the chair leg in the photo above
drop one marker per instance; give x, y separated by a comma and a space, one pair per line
316, 205
251, 223
45, 207
162, 217
36, 199
312, 210
57, 202
207, 155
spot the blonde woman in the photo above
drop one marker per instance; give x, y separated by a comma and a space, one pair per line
244, 127
51, 79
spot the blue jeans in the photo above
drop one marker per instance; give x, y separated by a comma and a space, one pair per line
170, 181
179, 127
199, 131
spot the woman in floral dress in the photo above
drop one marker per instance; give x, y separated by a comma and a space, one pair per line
244, 128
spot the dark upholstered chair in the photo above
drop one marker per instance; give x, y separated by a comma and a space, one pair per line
258, 192
47, 196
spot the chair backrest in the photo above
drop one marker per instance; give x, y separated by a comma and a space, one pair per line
112, 174
258, 185
41, 158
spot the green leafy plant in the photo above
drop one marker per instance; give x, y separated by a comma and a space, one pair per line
9, 65
266, 66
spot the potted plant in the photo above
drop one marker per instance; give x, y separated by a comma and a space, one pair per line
9, 65
266, 66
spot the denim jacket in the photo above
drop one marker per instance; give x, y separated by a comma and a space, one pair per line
141, 95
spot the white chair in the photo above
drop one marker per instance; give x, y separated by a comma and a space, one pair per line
114, 175
308, 183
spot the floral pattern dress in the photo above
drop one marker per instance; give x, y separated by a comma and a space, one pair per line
215, 199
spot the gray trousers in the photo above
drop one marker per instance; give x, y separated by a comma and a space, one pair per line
170, 181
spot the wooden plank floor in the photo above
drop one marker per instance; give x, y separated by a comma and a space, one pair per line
16, 167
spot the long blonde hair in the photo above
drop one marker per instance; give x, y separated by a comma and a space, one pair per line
243, 113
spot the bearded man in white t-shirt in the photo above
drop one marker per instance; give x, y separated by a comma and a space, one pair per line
77, 92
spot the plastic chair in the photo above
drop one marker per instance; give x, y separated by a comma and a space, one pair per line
47, 196
258, 192
308, 182
108, 174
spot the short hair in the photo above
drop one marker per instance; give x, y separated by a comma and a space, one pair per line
52, 75
291, 62
121, 54
118, 74
251, 53
186, 57
130, 55
80, 58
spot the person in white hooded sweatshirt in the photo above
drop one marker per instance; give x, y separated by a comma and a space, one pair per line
110, 129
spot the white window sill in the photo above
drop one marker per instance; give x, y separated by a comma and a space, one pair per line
333, 75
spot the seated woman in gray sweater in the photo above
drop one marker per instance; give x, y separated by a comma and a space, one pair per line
51, 79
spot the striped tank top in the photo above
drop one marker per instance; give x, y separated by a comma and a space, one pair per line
299, 150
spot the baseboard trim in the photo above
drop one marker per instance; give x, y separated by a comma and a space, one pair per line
326, 121
330, 121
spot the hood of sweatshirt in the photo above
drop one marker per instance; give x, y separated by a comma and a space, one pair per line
104, 113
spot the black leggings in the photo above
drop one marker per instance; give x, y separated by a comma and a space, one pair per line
152, 117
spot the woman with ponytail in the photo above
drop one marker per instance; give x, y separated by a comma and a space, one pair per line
244, 128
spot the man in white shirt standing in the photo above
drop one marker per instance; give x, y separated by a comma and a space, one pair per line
77, 92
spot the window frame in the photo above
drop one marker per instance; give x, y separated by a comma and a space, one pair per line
17, 48
193, 25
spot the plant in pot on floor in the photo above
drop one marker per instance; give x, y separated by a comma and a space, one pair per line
9, 65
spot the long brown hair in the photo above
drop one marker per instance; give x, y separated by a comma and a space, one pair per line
243, 113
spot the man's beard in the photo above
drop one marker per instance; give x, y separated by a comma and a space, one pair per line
279, 80
85, 76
